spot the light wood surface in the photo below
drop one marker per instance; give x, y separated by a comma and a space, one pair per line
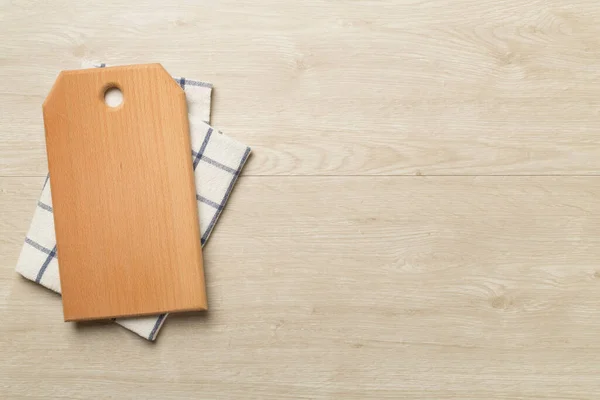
420, 217
123, 194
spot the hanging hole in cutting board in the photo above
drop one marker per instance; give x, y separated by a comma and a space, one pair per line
113, 96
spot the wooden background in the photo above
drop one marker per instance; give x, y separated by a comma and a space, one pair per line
419, 219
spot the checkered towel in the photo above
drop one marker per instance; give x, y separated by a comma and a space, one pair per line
217, 160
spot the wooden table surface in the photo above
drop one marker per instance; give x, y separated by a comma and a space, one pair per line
419, 219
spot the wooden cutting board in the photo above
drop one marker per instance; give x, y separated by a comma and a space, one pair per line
127, 233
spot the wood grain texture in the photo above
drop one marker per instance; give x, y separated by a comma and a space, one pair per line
371, 288
396, 87
326, 281
123, 194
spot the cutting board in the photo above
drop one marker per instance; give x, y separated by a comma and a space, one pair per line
127, 233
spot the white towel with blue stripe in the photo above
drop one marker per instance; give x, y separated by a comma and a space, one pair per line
218, 161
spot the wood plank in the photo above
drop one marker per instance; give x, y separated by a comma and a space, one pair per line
397, 87
380, 287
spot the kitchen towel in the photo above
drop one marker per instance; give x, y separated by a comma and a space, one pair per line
217, 161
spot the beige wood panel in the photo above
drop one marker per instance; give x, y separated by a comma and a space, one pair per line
452, 287
355, 287
338, 87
